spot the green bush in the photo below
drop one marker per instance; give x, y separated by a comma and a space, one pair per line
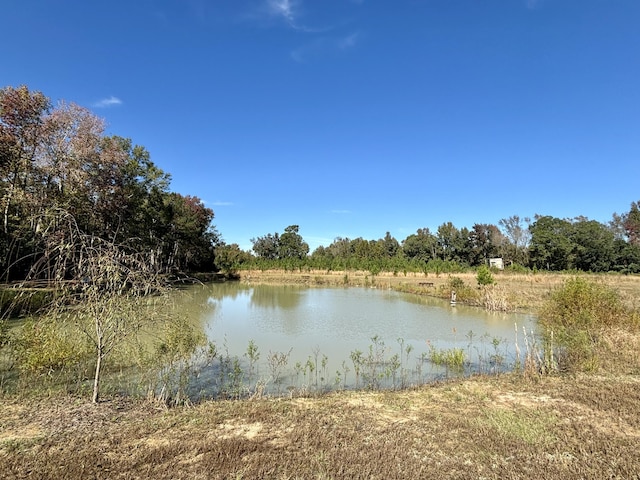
575, 317
464, 292
584, 304
484, 276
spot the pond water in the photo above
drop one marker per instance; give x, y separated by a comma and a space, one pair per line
316, 339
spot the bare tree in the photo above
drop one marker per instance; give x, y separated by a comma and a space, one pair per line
109, 288
516, 229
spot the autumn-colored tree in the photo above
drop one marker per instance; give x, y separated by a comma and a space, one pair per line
21, 128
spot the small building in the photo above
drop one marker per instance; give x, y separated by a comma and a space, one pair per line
496, 263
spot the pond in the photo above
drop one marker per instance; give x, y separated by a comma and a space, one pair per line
286, 338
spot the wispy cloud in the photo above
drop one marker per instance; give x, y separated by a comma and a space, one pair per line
291, 13
298, 15
532, 4
341, 212
108, 102
219, 203
283, 8
325, 46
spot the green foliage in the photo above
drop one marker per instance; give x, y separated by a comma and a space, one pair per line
286, 247
15, 302
453, 358
179, 341
578, 244
485, 243
229, 258
253, 356
593, 246
584, 304
420, 246
517, 268
631, 224
551, 245
575, 317
484, 276
169, 363
49, 344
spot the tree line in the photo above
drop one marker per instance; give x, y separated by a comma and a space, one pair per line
60, 173
541, 243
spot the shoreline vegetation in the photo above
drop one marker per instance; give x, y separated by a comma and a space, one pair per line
512, 292
580, 420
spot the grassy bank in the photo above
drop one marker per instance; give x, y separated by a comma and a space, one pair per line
519, 292
498, 427
521, 425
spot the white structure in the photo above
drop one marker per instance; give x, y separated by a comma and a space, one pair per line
496, 263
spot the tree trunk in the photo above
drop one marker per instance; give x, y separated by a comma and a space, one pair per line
100, 354
96, 379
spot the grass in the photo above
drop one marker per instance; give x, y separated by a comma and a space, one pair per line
536, 427
515, 292
486, 427
450, 357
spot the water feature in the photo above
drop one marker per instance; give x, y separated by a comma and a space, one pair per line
315, 339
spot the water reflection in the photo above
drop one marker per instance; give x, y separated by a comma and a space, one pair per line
276, 297
320, 330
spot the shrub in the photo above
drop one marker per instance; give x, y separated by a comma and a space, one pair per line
456, 283
584, 304
575, 317
484, 276
47, 345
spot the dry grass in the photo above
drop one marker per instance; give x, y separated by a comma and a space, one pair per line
520, 292
505, 427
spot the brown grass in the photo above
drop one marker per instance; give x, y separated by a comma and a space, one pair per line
521, 292
500, 427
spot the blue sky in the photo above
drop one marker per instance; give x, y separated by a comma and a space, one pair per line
352, 118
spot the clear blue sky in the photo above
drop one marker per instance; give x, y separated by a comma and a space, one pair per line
355, 117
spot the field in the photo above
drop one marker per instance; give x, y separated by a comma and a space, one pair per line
565, 426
